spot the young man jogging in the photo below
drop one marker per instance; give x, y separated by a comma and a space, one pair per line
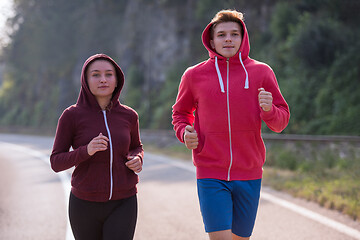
218, 113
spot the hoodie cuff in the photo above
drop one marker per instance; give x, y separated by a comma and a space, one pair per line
181, 135
267, 115
83, 153
141, 157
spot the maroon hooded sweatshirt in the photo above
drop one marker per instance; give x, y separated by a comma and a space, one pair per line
104, 175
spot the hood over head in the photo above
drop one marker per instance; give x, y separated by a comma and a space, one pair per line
244, 47
241, 55
86, 98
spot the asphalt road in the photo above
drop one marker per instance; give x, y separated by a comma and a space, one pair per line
33, 201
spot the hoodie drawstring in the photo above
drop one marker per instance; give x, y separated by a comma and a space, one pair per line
247, 77
219, 75
221, 80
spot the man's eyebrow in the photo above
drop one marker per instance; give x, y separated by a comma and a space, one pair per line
96, 70
233, 30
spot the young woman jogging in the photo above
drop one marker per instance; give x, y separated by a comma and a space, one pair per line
107, 154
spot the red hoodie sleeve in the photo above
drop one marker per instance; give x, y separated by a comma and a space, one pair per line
61, 158
278, 117
136, 148
184, 107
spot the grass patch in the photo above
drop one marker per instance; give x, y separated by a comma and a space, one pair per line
326, 174
333, 191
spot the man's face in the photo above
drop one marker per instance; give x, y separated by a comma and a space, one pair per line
227, 38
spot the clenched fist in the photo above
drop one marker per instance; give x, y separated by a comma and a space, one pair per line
190, 137
99, 143
265, 99
134, 163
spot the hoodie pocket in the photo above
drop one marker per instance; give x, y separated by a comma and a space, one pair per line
248, 150
90, 178
215, 150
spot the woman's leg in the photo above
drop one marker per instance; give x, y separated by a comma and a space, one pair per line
84, 220
121, 222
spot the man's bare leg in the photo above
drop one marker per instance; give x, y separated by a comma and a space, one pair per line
225, 235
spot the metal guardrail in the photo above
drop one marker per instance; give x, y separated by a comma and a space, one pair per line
313, 138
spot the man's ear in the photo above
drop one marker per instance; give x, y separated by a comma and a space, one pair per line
212, 44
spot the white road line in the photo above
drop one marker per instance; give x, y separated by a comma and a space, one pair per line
312, 215
65, 179
278, 201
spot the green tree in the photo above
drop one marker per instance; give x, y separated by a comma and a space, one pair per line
310, 48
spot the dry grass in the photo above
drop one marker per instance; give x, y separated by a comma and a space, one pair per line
338, 192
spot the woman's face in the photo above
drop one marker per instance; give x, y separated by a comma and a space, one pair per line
227, 38
101, 78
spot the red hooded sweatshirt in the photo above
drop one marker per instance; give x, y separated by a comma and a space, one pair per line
102, 176
220, 97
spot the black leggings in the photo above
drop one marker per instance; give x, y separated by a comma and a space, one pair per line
103, 220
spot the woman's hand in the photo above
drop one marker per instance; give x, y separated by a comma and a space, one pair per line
134, 163
97, 144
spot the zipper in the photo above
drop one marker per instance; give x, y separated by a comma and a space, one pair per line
111, 154
229, 122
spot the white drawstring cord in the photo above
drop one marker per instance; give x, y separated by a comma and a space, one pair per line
219, 75
221, 80
247, 78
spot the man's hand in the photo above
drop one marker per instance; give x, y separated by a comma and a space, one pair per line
190, 137
265, 99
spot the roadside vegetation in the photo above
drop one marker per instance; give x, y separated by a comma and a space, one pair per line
324, 173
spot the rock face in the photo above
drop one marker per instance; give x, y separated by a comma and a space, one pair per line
156, 35
153, 38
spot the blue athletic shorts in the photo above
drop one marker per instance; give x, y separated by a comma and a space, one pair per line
229, 205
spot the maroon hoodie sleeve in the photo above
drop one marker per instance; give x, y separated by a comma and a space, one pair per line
136, 148
61, 158
184, 107
278, 117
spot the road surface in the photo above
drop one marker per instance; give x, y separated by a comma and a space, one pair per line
33, 201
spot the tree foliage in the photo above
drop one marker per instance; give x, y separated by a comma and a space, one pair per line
315, 55
311, 44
